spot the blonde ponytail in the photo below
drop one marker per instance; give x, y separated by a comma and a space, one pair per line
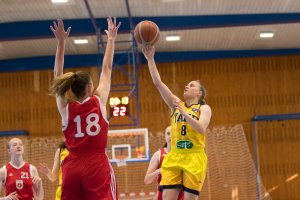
74, 82
62, 84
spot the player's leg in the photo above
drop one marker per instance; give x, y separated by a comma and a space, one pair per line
171, 194
190, 196
191, 185
99, 179
171, 181
71, 185
194, 175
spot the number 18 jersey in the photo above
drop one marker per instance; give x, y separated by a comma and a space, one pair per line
184, 138
84, 128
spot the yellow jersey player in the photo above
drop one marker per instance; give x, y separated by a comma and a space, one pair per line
185, 166
56, 172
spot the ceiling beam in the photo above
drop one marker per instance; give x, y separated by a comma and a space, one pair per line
47, 62
82, 27
100, 45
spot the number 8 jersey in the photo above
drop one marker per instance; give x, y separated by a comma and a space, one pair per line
84, 127
184, 138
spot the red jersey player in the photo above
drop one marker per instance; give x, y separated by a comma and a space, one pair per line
20, 179
87, 173
153, 172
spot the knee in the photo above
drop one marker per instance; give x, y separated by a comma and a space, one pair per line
190, 196
170, 194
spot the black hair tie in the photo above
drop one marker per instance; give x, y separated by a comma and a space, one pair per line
75, 76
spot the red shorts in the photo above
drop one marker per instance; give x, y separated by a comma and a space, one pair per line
88, 177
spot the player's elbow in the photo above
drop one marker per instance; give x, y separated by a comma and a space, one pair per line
106, 66
147, 180
156, 82
56, 73
200, 128
202, 131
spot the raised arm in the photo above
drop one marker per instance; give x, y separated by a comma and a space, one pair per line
37, 184
103, 88
51, 175
153, 170
164, 91
61, 35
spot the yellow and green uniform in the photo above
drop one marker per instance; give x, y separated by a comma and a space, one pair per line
62, 155
185, 165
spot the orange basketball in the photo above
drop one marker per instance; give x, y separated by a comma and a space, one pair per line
146, 33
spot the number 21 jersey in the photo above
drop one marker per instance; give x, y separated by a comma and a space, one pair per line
19, 179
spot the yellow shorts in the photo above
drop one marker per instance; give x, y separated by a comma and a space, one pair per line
58, 193
184, 170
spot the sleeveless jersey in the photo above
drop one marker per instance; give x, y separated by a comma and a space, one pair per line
19, 180
184, 137
86, 129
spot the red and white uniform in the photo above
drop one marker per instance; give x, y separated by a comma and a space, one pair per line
87, 173
19, 180
163, 153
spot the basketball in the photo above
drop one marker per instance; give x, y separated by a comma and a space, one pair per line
146, 33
